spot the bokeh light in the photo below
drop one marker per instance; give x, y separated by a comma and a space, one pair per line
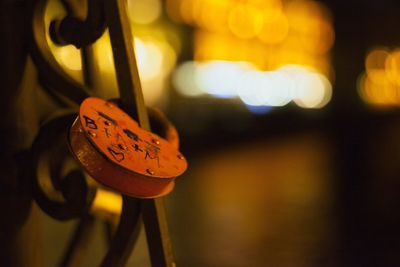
149, 58
380, 83
267, 53
156, 47
312, 91
220, 78
70, 57
184, 80
224, 79
155, 58
245, 20
392, 67
284, 44
275, 30
144, 11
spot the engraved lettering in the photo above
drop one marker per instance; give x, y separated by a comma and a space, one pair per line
131, 134
137, 148
152, 146
90, 123
154, 156
105, 116
118, 156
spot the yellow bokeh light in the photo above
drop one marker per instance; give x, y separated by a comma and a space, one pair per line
152, 56
144, 11
378, 91
149, 58
245, 20
212, 46
274, 30
302, 13
375, 64
318, 37
271, 9
156, 59
311, 21
213, 19
380, 85
382, 93
289, 32
106, 203
70, 57
104, 54
392, 67
313, 91
186, 11
376, 59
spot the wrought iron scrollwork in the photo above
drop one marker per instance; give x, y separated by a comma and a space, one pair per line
70, 196
60, 190
78, 31
67, 195
52, 77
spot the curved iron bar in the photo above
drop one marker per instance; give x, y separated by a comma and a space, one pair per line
77, 31
126, 234
70, 204
61, 85
49, 150
132, 101
58, 83
51, 75
79, 240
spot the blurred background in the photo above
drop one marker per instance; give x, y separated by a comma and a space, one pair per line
288, 113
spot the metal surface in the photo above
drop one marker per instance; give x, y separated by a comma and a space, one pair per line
116, 152
67, 92
76, 29
53, 78
133, 103
129, 85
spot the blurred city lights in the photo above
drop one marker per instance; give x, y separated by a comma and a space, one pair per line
245, 20
184, 80
312, 91
156, 48
106, 203
392, 67
70, 57
224, 79
380, 84
220, 78
275, 30
144, 11
155, 58
267, 53
149, 58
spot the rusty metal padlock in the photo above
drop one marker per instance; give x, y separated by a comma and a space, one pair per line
117, 153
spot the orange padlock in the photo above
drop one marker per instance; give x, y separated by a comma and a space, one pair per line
119, 154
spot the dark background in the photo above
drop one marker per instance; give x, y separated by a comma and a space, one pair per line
291, 188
